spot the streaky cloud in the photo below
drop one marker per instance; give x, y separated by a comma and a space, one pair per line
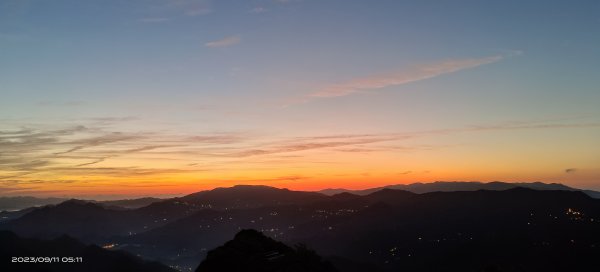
99, 140
92, 162
154, 20
304, 146
258, 10
417, 73
570, 170
227, 41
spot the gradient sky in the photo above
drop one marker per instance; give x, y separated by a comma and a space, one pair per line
165, 97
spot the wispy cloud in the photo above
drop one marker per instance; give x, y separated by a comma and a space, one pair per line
111, 120
362, 143
258, 10
215, 139
185, 7
154, 20
228, 41
524, 125
399, 78
74, 149
198, 11
249, 180
296, 146
61, 104
42, 152
99, 140
92, 162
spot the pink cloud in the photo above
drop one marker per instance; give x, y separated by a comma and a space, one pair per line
228, 41
417, 73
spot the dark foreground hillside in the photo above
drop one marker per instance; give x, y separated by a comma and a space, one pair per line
252, 251
63, 256
513, 230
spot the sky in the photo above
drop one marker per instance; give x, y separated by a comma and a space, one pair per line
108, 99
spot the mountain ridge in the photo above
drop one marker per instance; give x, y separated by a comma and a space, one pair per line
451, 186
180, 232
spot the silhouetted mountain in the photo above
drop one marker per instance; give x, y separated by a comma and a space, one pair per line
237, 197
181, 242
594, 194
513, 230
390, 196
16, 203
81, 219
92, 222
6, 215
129, 203
454, 186
392, 229
251, 251
366, 228
251, 196
83, 257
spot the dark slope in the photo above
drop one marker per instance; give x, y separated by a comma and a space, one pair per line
23, 202
593, 194
182, 241
237, 197
251, 196
14, 203
508, 230
93, 222
514, 230
383, 228
81, 219
6, 215
130, 203
252, 251
94, 259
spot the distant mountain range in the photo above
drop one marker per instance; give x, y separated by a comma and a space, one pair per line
15, 203
244, 193
250, 196
6, 215
454, 186
517, 229
91, 222
129, 203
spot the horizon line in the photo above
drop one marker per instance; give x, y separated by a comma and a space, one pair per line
110, 197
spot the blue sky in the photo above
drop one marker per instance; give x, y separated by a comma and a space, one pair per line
279, 70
